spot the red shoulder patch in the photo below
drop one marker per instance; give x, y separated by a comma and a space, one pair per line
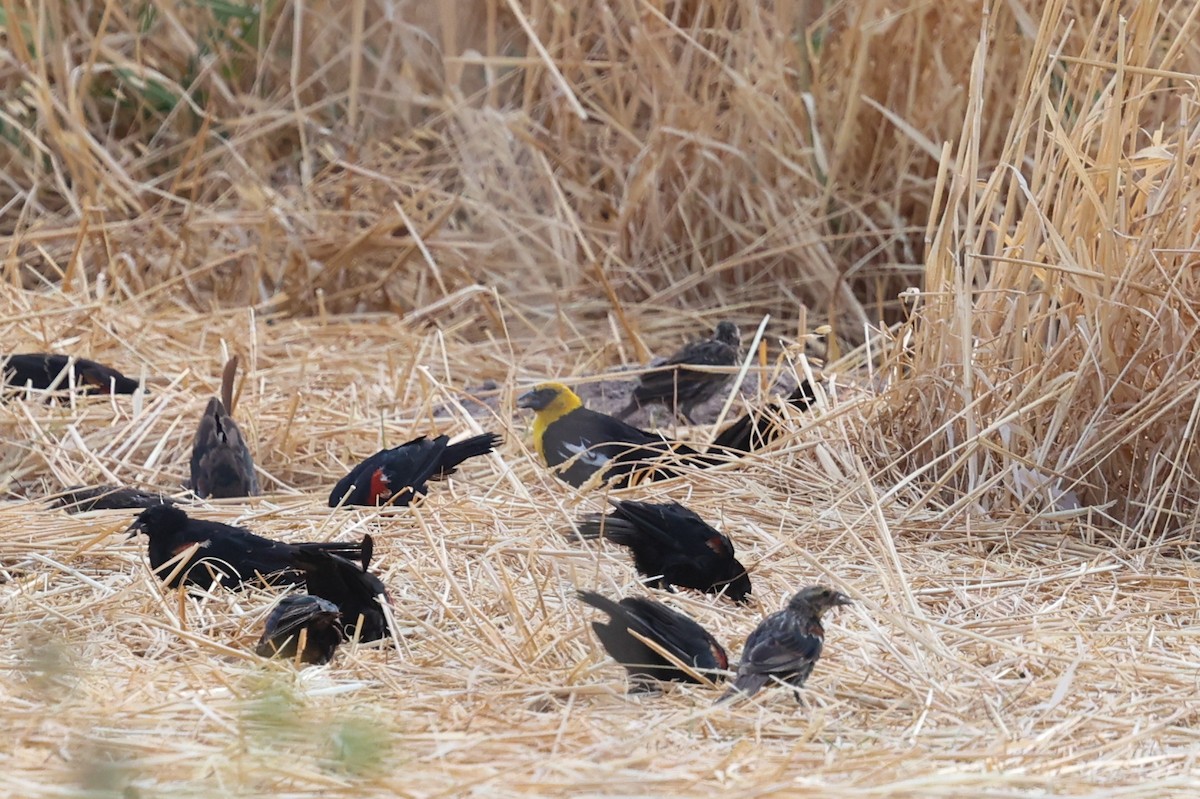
379, 489
717, 544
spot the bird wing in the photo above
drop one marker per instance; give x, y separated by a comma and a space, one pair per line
676, 527
781, 644
680, 635
390, 471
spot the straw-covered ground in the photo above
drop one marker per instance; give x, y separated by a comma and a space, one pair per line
401, 215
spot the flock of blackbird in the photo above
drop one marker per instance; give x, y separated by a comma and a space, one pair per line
672, 547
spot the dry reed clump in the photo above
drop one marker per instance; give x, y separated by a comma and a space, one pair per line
1051, 363
375, 155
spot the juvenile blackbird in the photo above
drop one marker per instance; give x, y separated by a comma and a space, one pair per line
403, 471
234, 555
221, 462
672, 546
564, 430
673, 384
357, 593
40, 370
671, 630
301, 615
760, 426
786, 645
107, 497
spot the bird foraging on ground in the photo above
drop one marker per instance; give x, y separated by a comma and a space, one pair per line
786, 645
672, 546
671, 630
577, 443
394, 476
108, 497
358, 594
760, 426
300, 620
673, 384
41, 370
232, 555
221, 462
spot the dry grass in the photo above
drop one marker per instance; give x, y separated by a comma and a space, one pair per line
381, 206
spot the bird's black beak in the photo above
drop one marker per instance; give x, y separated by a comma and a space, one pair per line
134, 529
841, 599
536, 399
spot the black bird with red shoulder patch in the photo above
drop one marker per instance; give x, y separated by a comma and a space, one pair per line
358, 594
673, 384
577, 443
301, 617
786, 645
222, 466
674, 632
395, 476
40, 370
673, 547
232, 555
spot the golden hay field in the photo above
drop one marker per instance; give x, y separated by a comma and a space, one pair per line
399, 215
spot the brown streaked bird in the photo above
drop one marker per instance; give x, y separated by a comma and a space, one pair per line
222, 466
577, 443
786, 645
40, 370
233, 555
672, 546
302, 617
674, 632
673, 384
395, 476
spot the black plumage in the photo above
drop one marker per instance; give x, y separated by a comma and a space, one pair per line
302, 618
357, 593
40, 370
232, 555
106, 497
672, 546
760, 426
673, 384
674, 632
786, 645
394, 476
222, 466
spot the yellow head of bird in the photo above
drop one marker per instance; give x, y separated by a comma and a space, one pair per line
550, 401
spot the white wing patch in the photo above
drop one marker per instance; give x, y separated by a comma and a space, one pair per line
589, 456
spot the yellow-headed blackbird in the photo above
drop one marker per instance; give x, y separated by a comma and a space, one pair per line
105, 497
394, 476
674, 632
760, 426
674, 385
233, 555
42, 370
786, 645
221, 462
358, 594
582, 442
672, 546
300, 616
